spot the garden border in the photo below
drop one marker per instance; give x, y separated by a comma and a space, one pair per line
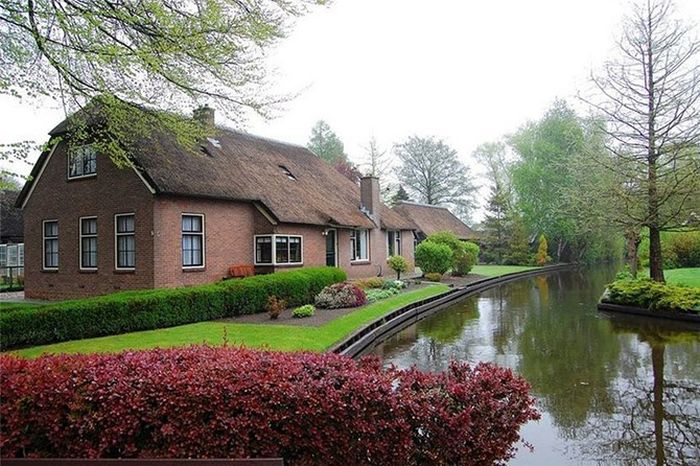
640, 311
361, 341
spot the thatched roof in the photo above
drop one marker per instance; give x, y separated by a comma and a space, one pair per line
429, 219
295, 185
11, 225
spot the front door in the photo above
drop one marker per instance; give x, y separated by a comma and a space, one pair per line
331, 246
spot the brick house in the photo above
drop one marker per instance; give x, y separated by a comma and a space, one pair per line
428, 219
173, 218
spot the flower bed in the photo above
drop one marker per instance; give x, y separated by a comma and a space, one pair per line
204, 402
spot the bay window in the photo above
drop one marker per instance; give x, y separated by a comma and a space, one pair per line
278, 249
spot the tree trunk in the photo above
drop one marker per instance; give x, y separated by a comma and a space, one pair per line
656, 267
633, 240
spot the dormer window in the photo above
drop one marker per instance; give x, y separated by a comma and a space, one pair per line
286, 171
82, 162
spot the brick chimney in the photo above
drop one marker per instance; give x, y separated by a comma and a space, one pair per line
205, 114
370, 200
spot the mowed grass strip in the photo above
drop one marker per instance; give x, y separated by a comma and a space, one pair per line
687, 276
275, 337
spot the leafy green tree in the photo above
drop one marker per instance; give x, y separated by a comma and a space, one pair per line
433, 173
142, 62
325, 143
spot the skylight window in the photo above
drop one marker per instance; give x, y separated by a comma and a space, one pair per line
286, 171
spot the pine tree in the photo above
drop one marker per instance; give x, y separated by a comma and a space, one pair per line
400, 195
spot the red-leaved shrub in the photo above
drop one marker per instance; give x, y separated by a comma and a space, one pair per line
341, 295
204, 402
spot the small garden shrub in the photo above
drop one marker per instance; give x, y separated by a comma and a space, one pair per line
653, 295
341, 295
304, 311
204, 402
398, 284
398, 264
376, 295
433, 257
275, 306
131, 311
369, 283
465, 260
433, 277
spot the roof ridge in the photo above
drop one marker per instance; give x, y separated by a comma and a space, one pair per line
262, 138
420, 204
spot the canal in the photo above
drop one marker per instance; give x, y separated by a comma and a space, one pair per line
611, 389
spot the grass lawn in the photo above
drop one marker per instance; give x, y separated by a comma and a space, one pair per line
687, 277
496, 270
276, 337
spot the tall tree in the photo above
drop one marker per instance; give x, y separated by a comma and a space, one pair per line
433, 173
377, 162
650, 100
142, 60
399, 195
325, 143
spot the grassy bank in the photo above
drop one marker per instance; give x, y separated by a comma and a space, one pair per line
276, 337
687, 277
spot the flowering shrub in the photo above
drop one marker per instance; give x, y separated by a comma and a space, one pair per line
304, 311
341, 295
398, 284
205, 402
376, 295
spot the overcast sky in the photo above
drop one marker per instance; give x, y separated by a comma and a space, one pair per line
465, 71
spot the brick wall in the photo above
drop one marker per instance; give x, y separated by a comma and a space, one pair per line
110, 191
229, 229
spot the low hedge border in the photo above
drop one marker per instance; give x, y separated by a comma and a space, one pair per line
151, 309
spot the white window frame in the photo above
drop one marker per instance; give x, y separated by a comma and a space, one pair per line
3, 256
274, 262
353, 239
116, 241
83, 235
20, 254
43, 244
71, 151
397, 242
189, 233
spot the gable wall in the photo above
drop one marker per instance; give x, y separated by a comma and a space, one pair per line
112, 190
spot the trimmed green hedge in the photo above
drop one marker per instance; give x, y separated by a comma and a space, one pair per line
151, 309
654, 295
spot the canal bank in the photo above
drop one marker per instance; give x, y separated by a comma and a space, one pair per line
612, 389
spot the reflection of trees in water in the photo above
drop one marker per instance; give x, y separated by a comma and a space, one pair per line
656, 418
570, 361
447, 325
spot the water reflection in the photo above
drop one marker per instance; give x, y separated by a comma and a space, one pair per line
612, 389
